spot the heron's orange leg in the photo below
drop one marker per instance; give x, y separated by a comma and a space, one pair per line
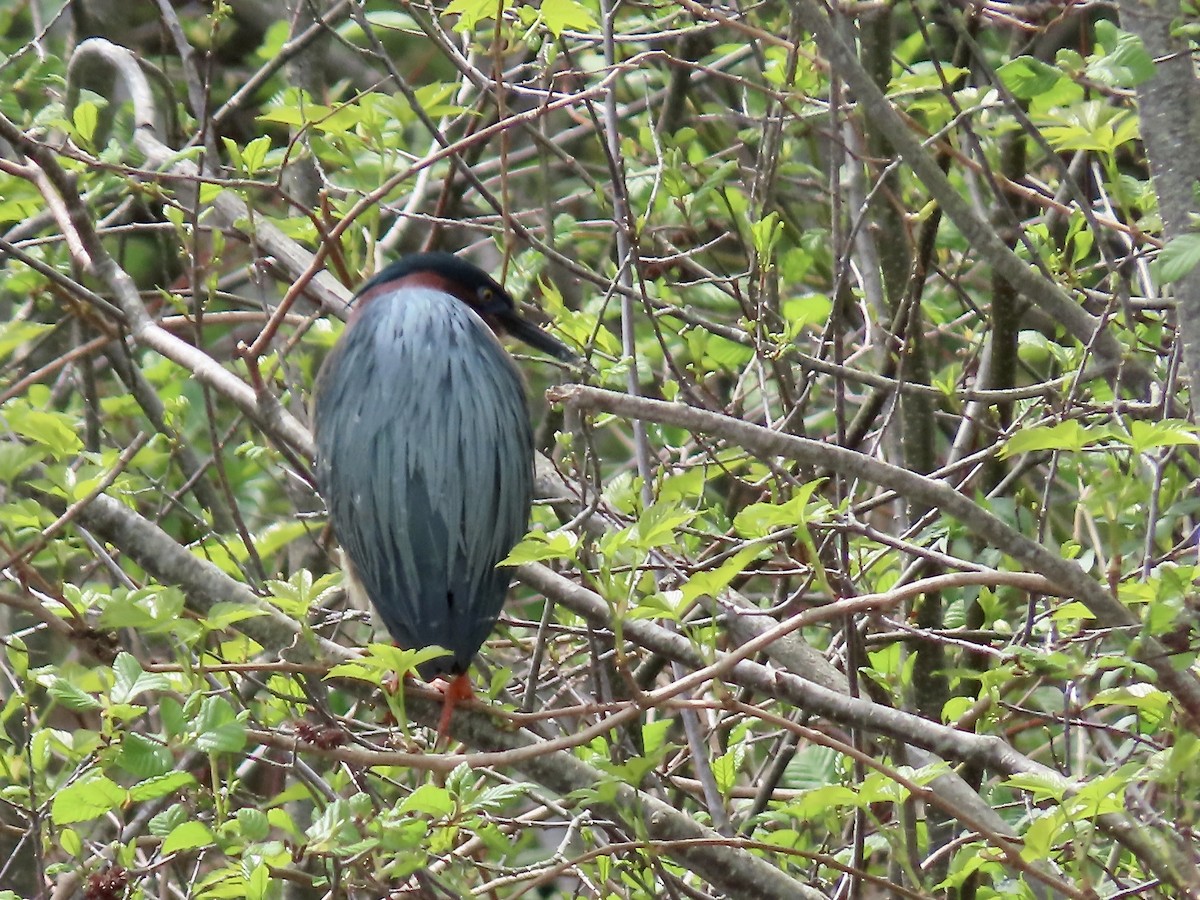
456, 689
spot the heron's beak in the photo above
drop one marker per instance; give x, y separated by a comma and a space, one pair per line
530, 334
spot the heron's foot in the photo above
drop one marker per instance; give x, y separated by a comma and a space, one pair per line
453, 691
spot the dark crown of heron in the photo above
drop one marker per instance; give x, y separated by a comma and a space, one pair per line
451, 275
444, 272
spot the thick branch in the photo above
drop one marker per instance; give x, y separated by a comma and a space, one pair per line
1169, 108
1109, 612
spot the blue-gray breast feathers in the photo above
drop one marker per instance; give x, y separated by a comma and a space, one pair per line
425, 460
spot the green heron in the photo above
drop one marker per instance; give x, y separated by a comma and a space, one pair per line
425, 453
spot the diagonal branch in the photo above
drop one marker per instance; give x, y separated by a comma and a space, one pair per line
1109, 612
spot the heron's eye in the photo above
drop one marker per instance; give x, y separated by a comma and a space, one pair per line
490, 301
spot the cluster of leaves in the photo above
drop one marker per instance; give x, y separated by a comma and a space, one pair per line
692, 202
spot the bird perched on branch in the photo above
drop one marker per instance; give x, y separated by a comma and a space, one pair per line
425, 453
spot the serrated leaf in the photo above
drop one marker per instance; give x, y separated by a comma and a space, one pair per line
657, 525
539, 545
1027, 77
1072, 612
187, 836
143, 756
217, 729
168, 820
254, 823
1042, 787
806, 311
430, 800
1145, 436
92, 796
54, 431
72, 697
16, 458
1177, 258
1068, 436
258, 883
760, 519
160, 786
172, 716
725, 768
559, 15
713, 582
132, 680
821, 801
471, 12
227, 613
1125, 64
380, 659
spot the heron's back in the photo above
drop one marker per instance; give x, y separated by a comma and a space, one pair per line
425, 459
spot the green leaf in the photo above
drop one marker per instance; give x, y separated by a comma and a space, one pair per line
258, 883
52, 430
84, 118
1072, 612
92, 796
144, 756
760, 519
187, 836
16, 458
711, 583
160, 786
1125, 63
382, 659
254, 154
1143, 697
471, 12
1145, 436
765, 234
1043, 787
559, 15
725, 768
17, 654
720, 352
656, 526
150, 610
430, 800
217, 729
221, 615
1070, 435
821, 801
168, 820
542, 545
14, 334
72, 697
174, 720
71, 843
654, 735
1177, 258
132, 680
1027, 77
806, 311
254, 823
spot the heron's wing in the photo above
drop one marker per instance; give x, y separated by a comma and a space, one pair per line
425, 461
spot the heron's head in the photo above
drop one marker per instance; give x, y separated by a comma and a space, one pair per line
448, 273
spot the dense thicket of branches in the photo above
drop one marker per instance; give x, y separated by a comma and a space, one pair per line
866, 546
